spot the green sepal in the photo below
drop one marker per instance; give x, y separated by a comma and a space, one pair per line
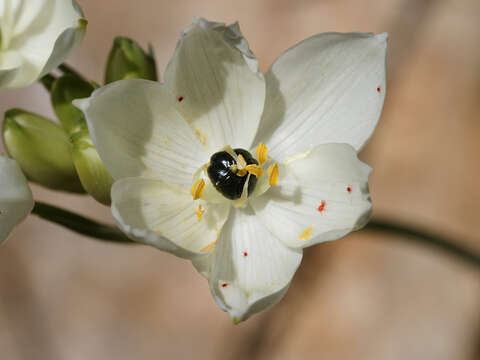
65, 89
127, 60
42, 149
92, 173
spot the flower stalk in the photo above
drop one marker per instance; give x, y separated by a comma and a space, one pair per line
79, 223
100, 231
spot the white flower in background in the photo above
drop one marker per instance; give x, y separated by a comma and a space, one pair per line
16, 199
35, 37
297, 181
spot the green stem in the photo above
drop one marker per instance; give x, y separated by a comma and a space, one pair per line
425, 237
67, 69
79, 223
47, 81
106, 232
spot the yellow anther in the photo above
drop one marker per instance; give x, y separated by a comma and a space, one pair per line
255, 170
200, 210
262, 151
306, 234
242, 172
208, 247
197, 189
272, 173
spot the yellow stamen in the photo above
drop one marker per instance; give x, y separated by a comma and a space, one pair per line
255, 170
230, 151
242, 172
241, 162
306, 234
272, 173
200, 210
243, 199
208, 247
262, 151
197, 189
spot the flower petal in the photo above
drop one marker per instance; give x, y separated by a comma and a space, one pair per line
329, 88
321, 195
43, 33
215, 78
138, 132
250, 269
16, 199
154, 213
10, 64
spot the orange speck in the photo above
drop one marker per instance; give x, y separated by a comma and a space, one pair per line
321, 207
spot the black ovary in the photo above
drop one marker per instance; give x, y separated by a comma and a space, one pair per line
225, 180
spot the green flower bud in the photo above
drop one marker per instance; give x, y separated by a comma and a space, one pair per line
64, 90
93, 174
127, 60
42, 149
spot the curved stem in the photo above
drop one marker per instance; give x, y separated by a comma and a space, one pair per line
79, 224
47, 81
67, 69
94, 229
424, 236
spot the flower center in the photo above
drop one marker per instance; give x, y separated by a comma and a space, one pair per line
229, 173
234, 174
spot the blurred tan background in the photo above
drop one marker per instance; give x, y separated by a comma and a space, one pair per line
367, 296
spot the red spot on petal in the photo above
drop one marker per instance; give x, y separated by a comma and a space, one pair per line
224, 285
379, 89
349, 189
180, 99
245, 254
321, 207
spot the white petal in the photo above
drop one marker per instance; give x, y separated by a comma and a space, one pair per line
329, 88
323, 194
137, 131
216, 77
154, 213
43, 33
16, 199
249, 269
10, 64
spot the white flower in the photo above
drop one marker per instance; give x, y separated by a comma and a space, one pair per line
16, 199
304, 121
35, 37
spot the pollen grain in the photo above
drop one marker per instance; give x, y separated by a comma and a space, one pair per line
199, 212
306, 234
208, 247
201, 137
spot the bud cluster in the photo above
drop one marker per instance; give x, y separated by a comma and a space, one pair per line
62, 156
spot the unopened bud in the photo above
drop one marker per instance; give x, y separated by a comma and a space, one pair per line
64, 90
127, 60
93, 174
42, 149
